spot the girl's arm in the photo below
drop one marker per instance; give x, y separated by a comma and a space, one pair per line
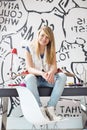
30, 66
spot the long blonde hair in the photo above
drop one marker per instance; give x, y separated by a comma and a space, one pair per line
50, 49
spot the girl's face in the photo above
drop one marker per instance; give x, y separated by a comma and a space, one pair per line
43, 38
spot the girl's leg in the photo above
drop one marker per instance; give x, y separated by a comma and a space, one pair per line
60, 80
31, 83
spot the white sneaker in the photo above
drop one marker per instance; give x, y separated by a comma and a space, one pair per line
44, 112
51, 114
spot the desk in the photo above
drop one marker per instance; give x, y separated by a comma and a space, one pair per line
44, 91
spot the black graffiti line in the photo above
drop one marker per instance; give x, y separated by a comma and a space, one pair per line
8, 0
2, 68
23, 25
2, 76
24, 5
7, 36
64, 12
12, 105
76, 5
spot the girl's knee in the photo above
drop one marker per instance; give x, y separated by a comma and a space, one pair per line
62, 76
31, 77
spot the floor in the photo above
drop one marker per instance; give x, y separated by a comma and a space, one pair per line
15, 122
20, 123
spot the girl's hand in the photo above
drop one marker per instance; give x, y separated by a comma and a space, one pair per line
44, 75
49, 77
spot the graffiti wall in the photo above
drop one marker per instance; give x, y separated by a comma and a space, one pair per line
21, 19
19, 22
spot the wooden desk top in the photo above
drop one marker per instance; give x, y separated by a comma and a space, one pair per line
45, 91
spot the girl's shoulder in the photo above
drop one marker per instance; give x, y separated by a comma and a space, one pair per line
31, 45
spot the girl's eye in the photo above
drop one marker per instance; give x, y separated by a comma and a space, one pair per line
46, 37
42, 35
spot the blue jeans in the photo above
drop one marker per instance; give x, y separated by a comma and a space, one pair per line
32, 82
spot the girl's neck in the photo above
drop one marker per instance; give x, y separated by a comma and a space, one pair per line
42, 49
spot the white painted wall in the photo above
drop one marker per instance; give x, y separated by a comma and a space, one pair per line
21, 19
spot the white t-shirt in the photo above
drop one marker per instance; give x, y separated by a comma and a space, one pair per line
39, 62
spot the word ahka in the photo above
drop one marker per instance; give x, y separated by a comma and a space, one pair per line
9, 5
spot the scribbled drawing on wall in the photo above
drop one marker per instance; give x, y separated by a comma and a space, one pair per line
74, 28
5, 63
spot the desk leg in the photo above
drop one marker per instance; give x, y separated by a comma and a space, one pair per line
4, 112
